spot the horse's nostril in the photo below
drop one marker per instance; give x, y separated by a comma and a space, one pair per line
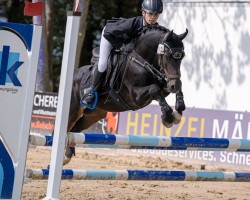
172, 88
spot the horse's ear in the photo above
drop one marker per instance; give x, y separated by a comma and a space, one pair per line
167, 36
183, 35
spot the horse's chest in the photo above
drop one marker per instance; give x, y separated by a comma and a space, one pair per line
139, 77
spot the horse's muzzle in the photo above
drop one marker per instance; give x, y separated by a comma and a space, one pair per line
173, 85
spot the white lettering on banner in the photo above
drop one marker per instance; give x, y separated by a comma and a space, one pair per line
235, 158
217, 133
237, 128
221, 131
43, 112
45, 100
198, 155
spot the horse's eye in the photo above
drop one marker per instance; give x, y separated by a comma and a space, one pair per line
178, 55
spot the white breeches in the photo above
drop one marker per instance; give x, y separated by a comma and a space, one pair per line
105, 49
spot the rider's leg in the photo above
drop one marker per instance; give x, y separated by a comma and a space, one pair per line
97, 77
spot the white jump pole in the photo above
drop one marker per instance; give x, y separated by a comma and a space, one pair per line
64, 96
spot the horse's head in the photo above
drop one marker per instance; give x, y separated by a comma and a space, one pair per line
170, 53
164, 50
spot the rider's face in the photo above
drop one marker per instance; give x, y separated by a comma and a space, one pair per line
150, 18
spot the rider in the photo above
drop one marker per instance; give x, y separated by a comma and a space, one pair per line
113, 36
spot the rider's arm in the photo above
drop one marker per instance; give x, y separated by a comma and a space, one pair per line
117, 32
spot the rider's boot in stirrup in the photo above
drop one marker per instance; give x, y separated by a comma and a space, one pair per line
89, 98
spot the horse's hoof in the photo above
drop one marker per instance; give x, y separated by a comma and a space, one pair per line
70, 152
66, 160
167, 120
177, 117
167, 125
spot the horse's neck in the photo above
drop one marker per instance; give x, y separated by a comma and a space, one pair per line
146, 47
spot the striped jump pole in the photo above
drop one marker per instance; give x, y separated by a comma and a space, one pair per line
142, 175
95, 140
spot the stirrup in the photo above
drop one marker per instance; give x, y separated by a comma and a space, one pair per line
94, 92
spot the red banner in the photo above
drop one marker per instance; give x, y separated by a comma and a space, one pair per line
33, 9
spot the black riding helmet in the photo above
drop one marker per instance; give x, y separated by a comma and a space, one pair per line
152, 6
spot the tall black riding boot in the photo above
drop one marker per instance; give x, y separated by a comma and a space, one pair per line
89, 98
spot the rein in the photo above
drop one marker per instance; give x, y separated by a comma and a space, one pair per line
155, 73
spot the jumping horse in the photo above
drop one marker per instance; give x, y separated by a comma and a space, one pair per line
149, 71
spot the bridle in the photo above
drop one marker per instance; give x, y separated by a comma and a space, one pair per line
176, 53
163, 49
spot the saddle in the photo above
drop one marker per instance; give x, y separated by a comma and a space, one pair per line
115, 62
110, 83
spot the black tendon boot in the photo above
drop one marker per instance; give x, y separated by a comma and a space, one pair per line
89, 98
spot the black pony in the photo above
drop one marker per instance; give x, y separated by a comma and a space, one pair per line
151, 71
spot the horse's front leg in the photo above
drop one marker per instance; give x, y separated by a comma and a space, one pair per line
179, 107
167, 112
180, 104
153, 92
